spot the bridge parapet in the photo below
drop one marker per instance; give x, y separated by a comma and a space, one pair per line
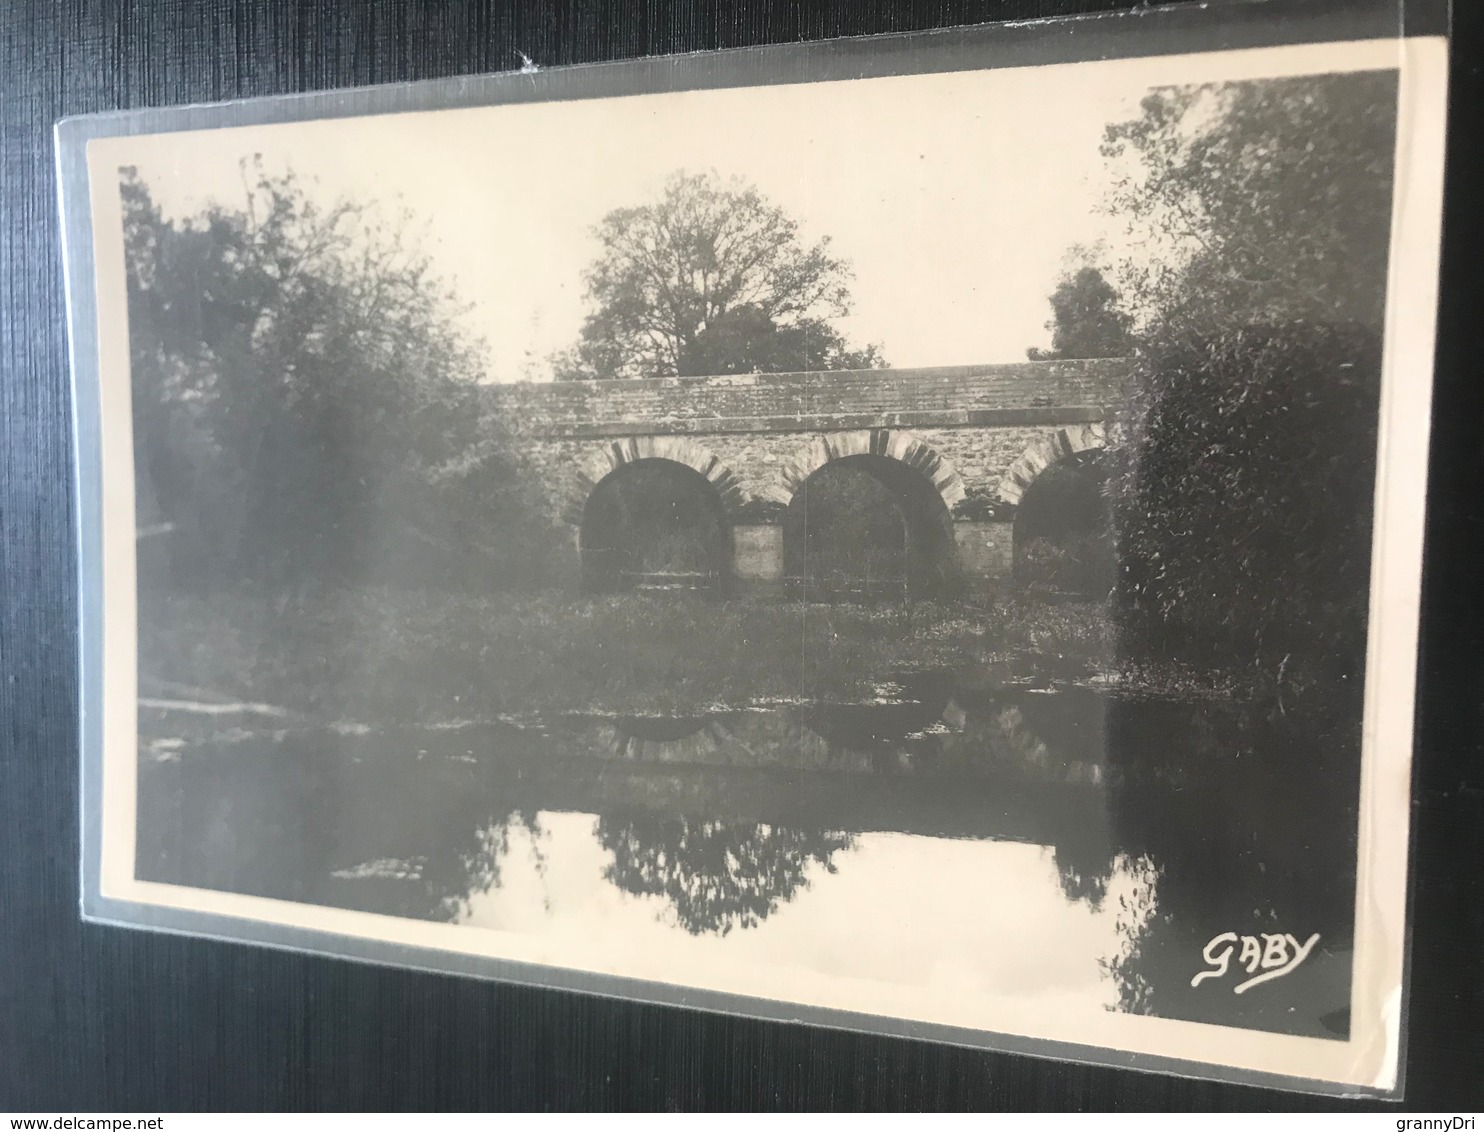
1014, 394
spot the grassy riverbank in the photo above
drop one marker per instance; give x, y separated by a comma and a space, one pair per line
383, 654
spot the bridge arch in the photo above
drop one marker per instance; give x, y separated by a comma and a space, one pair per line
1063, 535
893, 444
868, 515
1046, 451
655, 512
676, 449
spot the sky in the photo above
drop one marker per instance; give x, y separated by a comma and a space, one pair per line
1000, 925
955, 197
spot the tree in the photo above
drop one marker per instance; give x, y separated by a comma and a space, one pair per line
1259, 201
1245, 466
712, 277
1086, 319
716, 875
1243, 497
746, 340
306, 406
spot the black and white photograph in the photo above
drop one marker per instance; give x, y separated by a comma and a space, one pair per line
932, 551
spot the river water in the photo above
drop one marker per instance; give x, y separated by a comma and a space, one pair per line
979, 838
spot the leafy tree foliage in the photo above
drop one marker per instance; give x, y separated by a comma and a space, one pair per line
712, 277
716, 875
1246, 465
1087, 321
1264, 201
746, 340
304, 403
1244, 491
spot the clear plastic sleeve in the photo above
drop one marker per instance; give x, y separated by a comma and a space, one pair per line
918, 534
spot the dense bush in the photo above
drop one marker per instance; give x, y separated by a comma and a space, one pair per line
1243, 490
306, 404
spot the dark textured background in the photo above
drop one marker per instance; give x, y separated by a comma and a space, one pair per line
95, 1018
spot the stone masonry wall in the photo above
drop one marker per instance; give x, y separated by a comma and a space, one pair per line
754, 457
980, 419
834, 401
981, 456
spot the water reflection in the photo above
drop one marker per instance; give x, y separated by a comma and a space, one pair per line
979, 824
714, 875
1248, 822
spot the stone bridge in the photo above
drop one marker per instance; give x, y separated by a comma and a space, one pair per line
964, 441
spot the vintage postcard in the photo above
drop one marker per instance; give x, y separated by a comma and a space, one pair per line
929, 545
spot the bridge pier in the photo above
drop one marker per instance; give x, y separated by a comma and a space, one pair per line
986, 550
757, 558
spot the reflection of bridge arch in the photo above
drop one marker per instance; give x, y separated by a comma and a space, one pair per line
693, 739
675, 449
1043, 453
889, 723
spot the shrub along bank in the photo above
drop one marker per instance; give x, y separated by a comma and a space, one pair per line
382, 654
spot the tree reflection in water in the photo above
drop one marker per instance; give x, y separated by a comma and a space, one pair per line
1136, 910
464, 859
1084, 866
715, 875
476, 871
1244, 820
1175, 820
